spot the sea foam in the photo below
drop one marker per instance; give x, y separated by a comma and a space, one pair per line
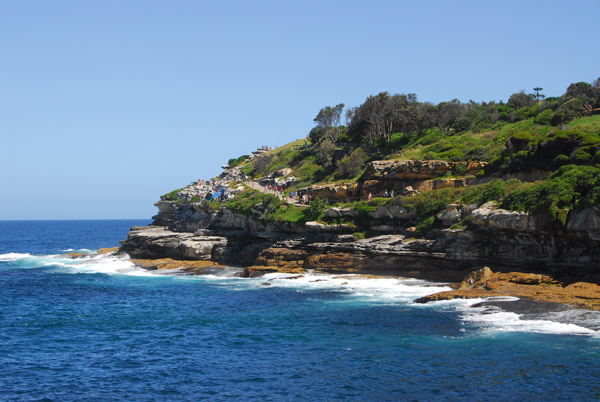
14, 256
384, 290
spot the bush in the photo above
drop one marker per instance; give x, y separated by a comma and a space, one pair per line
570, 187
173, 196
428, 205
315, 210
492, 191
263, 163
342, 138
358, 235
460, 169
325, 153
425, 225
544, 117
233, 162
397, 141
253, 202
351, 166
431, 136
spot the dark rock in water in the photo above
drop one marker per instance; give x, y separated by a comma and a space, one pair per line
525, 306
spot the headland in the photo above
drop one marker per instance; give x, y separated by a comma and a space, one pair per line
511, 200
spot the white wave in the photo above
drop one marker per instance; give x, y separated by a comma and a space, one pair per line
492, 318
14, 256
378, 290
98, 264
372, 290
502, 321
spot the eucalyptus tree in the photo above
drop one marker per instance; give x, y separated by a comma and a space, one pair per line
329, 119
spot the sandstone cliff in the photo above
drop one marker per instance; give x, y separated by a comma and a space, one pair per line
190, 230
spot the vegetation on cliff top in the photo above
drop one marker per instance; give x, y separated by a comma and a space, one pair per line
527, 128
526, 134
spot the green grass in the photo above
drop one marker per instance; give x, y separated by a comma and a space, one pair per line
174, 195
269, 208
589, 124
468, 146
570, 187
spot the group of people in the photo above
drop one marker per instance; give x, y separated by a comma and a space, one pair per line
276, 189
267, 148
385, 195
302, 198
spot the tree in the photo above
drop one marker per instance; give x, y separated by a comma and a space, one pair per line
382, 115
329, 119
580, 89
537, 94
448, 112
521, 99
316, 134
596, 83
325, 153
352, 165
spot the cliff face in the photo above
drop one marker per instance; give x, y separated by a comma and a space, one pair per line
506, 240
401, 177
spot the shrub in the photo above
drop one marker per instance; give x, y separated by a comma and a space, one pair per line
460, 169
358, 235
492, 191
428, 205
351, 166
544, 117
173, 195
425, 225
248, 169
342, 138
263, 163
570, 187
431, 136
315, 210
252, 202
325, 153
233, 162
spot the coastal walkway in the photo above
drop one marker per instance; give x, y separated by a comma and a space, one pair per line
254, 185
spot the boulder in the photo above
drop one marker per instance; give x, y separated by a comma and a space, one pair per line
456, 212
392, 212
487, 216
341, 213
322, 227
585, 222
335, 191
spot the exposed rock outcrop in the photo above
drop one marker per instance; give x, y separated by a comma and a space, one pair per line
336, 191
524, 285
544, 251
416, 170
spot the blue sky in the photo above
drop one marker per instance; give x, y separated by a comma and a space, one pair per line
106, 105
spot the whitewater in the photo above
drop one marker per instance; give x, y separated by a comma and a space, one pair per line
100, 328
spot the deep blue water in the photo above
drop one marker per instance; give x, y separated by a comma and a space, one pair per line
102, 330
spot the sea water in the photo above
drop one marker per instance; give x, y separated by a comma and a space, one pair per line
101, 329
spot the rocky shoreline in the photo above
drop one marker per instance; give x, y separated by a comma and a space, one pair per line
529, 256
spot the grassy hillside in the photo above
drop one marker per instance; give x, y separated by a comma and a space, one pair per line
559, 137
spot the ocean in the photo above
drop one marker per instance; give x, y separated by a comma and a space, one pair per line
101, 329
